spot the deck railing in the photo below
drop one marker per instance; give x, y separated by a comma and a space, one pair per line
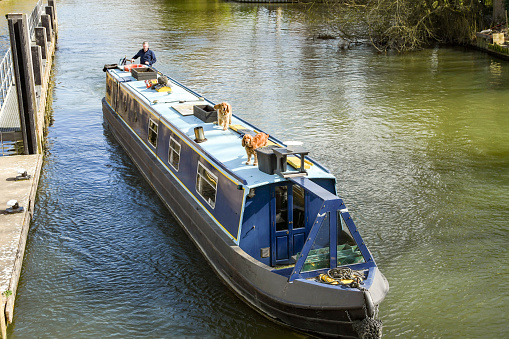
8, 147
35, 17
6, 70
6, 77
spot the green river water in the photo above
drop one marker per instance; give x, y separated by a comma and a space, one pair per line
419, 143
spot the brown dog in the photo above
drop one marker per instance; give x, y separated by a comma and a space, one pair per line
224, 115
251, 143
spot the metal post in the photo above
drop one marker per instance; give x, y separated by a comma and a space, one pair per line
22, 64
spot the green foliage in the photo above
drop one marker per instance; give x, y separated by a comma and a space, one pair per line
408, 24
7, 293
498, 48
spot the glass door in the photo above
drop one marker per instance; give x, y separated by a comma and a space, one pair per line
288, 223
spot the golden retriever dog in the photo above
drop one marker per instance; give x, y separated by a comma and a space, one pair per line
224, 115
251, 143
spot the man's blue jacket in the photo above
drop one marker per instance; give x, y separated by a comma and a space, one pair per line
146, 56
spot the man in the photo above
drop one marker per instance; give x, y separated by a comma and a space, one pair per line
147, 57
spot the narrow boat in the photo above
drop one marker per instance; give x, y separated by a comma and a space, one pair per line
277, 234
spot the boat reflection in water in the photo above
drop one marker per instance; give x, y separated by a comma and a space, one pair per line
276, 233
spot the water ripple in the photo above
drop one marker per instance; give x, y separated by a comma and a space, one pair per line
418, 143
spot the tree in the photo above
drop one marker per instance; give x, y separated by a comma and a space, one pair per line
410, 24
499, 8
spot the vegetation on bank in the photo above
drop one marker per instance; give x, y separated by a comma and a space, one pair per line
406, 25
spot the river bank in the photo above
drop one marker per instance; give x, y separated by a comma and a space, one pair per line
418, 142
26, 82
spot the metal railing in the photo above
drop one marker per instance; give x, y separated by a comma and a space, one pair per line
8, 97
34, 18
6, 70
6, 76
7, 147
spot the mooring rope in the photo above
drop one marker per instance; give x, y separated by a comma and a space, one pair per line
369, 327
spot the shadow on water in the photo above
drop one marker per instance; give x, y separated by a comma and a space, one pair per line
418, 142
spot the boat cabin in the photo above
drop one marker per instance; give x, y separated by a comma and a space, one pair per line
284, 212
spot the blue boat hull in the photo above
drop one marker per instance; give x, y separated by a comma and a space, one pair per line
314, 308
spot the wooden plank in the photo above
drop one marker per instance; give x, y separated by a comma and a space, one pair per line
46, 23
53, 4
22, 64
40, 40
50, 12
11, 136
12, 20
37, 64
45, 88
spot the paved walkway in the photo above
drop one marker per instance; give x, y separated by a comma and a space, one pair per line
14, 227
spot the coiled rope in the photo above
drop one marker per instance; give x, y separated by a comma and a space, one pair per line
370, 327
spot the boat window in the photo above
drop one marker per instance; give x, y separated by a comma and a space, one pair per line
347, 252
174, 153
281, 208
206, 185
319, 254
298, 207
152, 132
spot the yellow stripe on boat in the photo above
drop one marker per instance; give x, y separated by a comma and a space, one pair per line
237, 127
295, 162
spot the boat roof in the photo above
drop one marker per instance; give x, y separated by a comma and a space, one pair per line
176, 109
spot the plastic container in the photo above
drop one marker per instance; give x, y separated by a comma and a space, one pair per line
267, 161
205, 113
143, 73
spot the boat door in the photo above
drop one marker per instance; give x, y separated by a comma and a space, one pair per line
288, 222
